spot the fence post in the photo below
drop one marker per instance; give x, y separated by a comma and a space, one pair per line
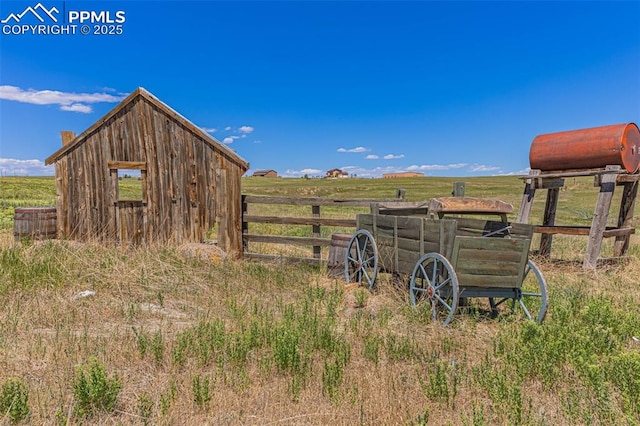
315, 212
245, 225
458, 189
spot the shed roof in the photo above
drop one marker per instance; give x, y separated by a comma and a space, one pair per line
143, 93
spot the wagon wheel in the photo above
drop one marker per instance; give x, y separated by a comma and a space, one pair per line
361, 259
532, 298
434, 279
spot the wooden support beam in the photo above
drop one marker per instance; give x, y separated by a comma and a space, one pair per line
600, 216
624, 178
315, 212
542, 183
527, 198
129, 165
549, 220
67, 136
625, 217
583, 230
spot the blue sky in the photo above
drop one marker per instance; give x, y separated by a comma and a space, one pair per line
445, 88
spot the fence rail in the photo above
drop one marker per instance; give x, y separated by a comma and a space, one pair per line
315, 221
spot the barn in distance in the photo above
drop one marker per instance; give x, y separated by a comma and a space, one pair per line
190, 182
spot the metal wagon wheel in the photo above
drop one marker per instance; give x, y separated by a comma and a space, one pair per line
361, 259
532, 298
434, 280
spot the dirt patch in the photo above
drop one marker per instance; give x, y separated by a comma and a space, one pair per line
208, 252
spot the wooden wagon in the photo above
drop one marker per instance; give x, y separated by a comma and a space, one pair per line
450, 258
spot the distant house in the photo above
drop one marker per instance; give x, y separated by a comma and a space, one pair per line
402, 175
265, 173
336, 173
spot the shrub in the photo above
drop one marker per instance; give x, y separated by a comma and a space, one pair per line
93, 390
14, 400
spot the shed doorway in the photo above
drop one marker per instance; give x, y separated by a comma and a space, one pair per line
129, 195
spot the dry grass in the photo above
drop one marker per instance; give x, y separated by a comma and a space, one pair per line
364, 358
47, 332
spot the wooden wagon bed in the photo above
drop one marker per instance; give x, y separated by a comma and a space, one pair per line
448, 258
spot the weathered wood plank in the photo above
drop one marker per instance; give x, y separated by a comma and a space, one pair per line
549, 183
407, 211
409, 244
282, 259
468, 205
527, 197
498, 244
625, 217
489, 255
318, 201
549, 219
279, 239
619, 233
280, 220
600, 216
406, 265
565, 173
409, 256
473, 266
474, 280
129, 165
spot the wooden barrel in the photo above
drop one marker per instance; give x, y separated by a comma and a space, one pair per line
35, 222
595, 147
337, 253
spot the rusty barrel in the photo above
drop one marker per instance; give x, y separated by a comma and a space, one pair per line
595, 147
337, 253
38, 223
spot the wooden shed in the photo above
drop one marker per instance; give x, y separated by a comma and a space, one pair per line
265, 173
402, 175
190, 182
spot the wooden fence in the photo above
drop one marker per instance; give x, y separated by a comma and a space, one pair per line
315, 221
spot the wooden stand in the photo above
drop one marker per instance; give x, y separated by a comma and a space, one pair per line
606, 179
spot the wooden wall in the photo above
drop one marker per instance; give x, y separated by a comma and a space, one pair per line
188, 184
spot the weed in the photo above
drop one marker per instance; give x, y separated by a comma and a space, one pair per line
14, 400
157, 347
361, 295
94, 391
372, 348
423, 418
201, 390
167, 398
145, 408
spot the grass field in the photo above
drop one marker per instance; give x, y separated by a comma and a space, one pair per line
170, 339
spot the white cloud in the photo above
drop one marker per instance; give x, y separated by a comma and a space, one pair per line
371, 157
14, 167
245, 129
227, 128
430, 167
356, 150
209, 129
484, 168
522, 172
86, 109
68, 101
393, 157
257, 141
228, 139
299, 173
